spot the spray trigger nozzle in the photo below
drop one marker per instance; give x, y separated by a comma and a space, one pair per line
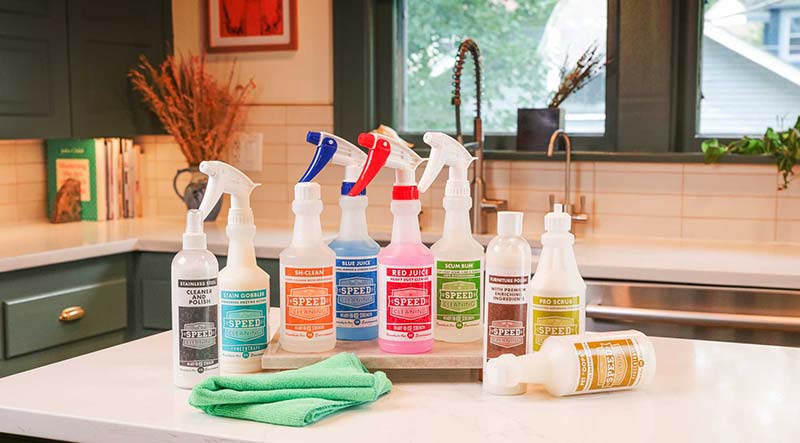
224, 178
446, 150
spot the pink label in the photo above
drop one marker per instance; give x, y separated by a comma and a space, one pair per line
408, 303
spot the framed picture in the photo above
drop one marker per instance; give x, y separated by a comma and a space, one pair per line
252, 25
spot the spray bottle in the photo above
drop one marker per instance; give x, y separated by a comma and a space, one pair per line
558, 293
580, 364
243, 286
195, 301
458, 279
405, 267
356, 273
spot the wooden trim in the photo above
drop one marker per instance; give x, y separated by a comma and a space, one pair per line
291, 46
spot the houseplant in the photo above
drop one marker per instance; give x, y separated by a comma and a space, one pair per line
199, 111
784, 146
536, 125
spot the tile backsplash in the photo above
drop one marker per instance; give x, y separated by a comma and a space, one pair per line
694, 201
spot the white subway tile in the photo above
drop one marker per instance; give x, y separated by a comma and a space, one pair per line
670, 168
8, 174
31, 173
788, 208
637, 204
8, 213
274, 154
310, 115
637, 182
729, 184
729, 169
29, 211
272, 193
302, 154
32, 152
788, 231
8, 194
637, 226
551, 179
714, 206
31, 192
729, 229
7, 154
265, 115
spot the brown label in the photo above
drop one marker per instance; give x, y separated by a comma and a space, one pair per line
506, 331
609, 364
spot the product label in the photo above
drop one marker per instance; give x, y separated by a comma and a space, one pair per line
309, 302
244, 322
554, 316
197, 324
609, 364
458, 294
408, 303
506, 314
356, 292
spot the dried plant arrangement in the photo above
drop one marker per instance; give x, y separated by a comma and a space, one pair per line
586, 68
194, 107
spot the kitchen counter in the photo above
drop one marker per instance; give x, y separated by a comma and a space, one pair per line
623, 258
703, 391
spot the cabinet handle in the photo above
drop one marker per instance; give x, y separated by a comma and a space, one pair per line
71, 313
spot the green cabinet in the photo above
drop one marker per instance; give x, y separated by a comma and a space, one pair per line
64, 64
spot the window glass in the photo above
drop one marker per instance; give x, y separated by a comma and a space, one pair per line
750, 66
523, 45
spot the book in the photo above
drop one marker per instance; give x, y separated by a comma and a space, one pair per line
82, 161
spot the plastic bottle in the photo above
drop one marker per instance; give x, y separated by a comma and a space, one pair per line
508, 270
458, 257
405, 279
580, 364
558, 293
243, 286
195, 301
307, 308
356, 272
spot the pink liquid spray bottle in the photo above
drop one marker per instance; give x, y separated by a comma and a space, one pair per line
405, 267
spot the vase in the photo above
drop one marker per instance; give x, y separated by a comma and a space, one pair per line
535, 126
193, 192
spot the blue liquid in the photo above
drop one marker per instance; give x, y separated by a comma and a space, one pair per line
344, 251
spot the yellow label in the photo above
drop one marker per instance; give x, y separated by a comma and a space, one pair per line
609, 364
554, 316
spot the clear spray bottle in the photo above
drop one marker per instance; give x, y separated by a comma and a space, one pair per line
458, 257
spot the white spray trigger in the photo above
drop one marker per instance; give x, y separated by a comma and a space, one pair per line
224, 178
445, 150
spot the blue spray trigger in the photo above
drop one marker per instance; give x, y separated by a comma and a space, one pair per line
325, 150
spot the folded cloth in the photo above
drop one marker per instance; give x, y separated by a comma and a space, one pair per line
292, 398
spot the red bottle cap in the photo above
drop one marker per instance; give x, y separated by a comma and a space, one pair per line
405, 193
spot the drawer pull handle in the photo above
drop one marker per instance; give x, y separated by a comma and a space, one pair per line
71, 313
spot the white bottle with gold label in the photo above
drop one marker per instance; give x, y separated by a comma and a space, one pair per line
557, 302
580, 364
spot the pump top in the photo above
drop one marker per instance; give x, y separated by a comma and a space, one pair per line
334, 149
445, 150
393, 153
224, 178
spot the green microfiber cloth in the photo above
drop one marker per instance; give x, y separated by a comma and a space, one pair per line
292, 398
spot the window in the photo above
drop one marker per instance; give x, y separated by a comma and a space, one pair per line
523, 45
750, 66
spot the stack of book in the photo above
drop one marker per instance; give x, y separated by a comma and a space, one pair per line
105, 172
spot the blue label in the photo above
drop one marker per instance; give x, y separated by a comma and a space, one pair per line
244, 321
356, 284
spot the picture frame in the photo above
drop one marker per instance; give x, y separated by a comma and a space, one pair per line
247, 25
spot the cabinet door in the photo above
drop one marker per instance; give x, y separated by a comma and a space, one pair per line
105, 41
34, 75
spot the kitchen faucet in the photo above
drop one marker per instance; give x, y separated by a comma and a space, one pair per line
578, 216
480, 204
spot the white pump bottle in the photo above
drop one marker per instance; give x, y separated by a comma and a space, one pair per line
243, 286
458, 257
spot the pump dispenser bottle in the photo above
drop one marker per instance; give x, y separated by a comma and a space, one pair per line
356, 271
508, 270
195, 302
243, 286
458, 257
405, 266
580, 364
307, 305
558, 293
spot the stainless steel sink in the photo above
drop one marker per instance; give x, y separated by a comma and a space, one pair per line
763, 316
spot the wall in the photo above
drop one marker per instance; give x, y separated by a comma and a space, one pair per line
23, 190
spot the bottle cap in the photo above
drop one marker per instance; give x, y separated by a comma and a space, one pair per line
558, 220
194, 237
504, 371
509, 223
306, 191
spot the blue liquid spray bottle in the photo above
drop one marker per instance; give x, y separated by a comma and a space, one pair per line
356, 273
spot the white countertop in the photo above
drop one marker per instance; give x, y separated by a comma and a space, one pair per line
703, 391
624, 258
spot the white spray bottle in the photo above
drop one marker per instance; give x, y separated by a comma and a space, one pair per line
244, 287
458, 257
195, 304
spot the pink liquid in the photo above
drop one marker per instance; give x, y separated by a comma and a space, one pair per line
404, 254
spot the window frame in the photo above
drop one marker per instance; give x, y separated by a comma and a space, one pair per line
785, 36
652, 85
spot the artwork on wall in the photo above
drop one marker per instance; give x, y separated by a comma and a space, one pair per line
252, 25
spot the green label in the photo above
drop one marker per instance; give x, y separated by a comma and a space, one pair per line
458, 292
554, 316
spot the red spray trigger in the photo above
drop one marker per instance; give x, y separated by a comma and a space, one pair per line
379, 150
